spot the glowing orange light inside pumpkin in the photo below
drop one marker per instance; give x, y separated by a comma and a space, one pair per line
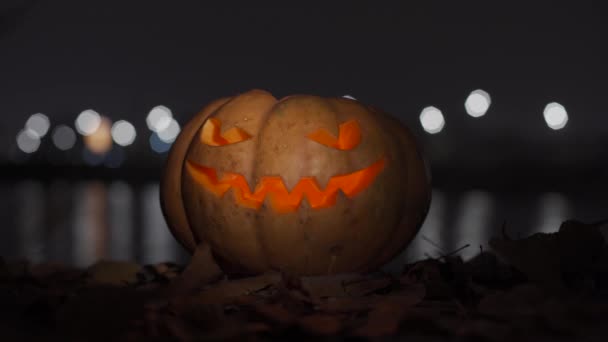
280, 198
212, 135
349, 136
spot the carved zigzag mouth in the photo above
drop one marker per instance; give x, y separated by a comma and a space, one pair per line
281, 199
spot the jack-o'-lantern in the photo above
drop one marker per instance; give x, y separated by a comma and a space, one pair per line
307, 185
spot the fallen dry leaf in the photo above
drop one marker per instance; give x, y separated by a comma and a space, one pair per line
481, 329
573, 259
522, 300
274, 312
321, 324
429, 273
16, 268
223, 292
537, 256
115, 273
581, 246
328, 286
99, 312
364, 287
47, 269
386, 315
201, 270
347, 304
487, 269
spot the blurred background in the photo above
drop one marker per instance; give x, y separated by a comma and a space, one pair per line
507, 100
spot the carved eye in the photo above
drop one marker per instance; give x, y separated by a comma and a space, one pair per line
212, 135
349, 136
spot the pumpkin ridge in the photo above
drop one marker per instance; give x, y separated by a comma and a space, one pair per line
400, 149
408, 139
171, 181
262, 246
390, 250
192, 141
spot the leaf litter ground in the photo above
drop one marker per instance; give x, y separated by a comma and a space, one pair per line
546, 287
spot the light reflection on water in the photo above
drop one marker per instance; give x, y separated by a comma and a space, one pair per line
554, 208
80, 223
158, 244
89, 228
121, 221
30, 197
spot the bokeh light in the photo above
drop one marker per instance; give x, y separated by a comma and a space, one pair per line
100, 141
115, 158
159, 118
92, 159
28, 140
169, 133
477, 103
432, 120
157, 144
123, 133
39, 123
88, 122
555, 115
64, 137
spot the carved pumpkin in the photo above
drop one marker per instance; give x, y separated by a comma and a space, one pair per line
305, 184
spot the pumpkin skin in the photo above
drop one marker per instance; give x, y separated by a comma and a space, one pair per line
355, 232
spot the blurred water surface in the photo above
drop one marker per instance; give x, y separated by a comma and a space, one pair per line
78, 223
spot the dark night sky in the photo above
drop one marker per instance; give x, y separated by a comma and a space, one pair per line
121, 58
